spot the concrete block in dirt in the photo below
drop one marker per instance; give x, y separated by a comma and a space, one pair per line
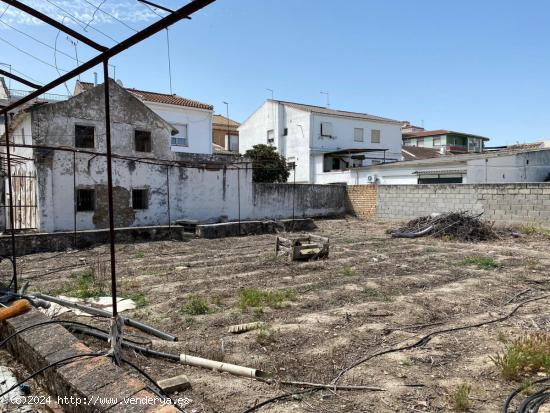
174, 384
231, 229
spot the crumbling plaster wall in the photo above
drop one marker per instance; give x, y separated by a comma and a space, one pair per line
196, 193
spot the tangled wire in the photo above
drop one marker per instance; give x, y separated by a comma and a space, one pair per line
533, 402
461, 226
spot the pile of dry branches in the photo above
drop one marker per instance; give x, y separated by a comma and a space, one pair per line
462, 226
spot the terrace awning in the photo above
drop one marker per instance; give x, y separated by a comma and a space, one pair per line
442, 172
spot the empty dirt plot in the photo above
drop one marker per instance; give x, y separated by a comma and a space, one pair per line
373, 294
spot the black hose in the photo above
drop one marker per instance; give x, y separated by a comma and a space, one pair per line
49, 366
126, 343
532, 403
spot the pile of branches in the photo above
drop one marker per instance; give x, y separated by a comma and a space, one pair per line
461, 226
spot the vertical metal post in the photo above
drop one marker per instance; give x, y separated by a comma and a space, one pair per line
74, 198
293, 194
10, 189
239, 195
168, 197
110, 183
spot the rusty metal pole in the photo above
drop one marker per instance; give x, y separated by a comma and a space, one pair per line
239, 195
74, 200
110, 184
10, 189
168, 198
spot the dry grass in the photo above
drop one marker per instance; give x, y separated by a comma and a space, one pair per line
524, 356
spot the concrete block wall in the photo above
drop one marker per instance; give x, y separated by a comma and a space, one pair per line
279, 201
361, 200
527, 203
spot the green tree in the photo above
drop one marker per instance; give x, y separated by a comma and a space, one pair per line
268, 165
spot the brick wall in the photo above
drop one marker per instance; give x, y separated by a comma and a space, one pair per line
502, 203
361, 200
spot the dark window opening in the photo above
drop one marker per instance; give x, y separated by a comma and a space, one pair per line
285, 132
85, 200
140, 199
291, 165
84, 136
440, 180
142, 141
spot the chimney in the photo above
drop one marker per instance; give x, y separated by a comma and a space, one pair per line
95, 78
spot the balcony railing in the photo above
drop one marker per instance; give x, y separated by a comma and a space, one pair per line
16, 93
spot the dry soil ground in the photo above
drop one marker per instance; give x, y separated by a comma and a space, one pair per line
373, 293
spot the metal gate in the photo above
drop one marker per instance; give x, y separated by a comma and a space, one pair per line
24, 188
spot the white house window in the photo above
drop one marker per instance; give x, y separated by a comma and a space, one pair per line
437, 142
326, 129
182, 138
375, 136
359, 134
420, 142
270, 136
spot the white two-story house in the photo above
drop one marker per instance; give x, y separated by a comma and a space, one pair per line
191, 118
322, 145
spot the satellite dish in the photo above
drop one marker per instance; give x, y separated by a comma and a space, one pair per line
119, 82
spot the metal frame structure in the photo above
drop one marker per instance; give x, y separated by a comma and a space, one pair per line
184, 12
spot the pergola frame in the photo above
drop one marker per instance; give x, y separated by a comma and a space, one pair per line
184, 12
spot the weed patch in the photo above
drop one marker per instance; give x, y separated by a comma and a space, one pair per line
253, 297
85, 285
195, 306
139, 299
461, 398
527, 355
348, 271
486, 263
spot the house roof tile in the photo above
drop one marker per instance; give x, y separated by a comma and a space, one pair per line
159, 97
333, 112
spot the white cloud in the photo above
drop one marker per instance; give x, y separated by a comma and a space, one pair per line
127, 11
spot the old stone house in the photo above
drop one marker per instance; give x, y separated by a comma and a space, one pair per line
61, 185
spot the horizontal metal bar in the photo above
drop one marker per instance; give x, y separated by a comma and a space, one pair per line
157, 6
48, 20
19, 79
156, 27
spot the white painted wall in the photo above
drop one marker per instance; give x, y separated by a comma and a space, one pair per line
198, 121
304, 144
522, 167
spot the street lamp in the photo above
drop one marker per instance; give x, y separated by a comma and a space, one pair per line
228, 145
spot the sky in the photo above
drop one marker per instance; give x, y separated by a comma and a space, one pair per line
474, 66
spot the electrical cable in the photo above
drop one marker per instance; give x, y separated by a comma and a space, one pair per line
169, 59
80, 22
158, 390
94, 13
38, 41
65, 322
51, 365
31, 55
425, 339
110, 14
277, 398
526, 404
